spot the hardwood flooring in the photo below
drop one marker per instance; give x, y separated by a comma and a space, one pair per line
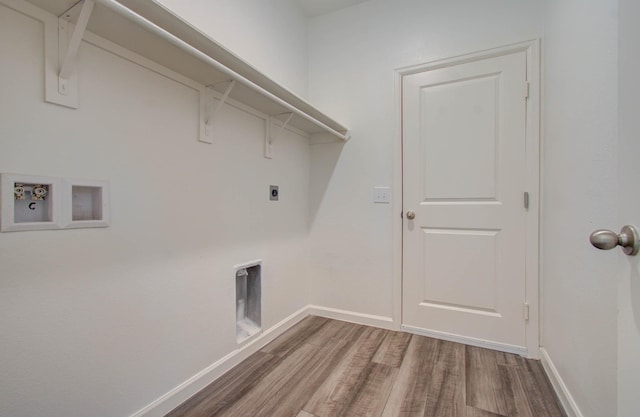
330, 368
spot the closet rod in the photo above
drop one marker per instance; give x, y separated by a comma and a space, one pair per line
131, 15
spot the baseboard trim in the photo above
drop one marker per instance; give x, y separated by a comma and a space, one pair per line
351, 316
570, 406
502, 347
191, 386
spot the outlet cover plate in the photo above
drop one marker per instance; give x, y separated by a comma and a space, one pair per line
382, 195
274, 192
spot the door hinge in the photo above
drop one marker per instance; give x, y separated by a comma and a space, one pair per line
526, 311
526, 200
526, 89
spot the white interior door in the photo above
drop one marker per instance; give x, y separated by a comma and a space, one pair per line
464, 177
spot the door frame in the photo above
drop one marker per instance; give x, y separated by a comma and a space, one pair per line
533, 149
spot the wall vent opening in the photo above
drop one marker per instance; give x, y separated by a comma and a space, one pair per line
248, 301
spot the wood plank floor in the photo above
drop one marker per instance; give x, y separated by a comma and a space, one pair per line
330, 368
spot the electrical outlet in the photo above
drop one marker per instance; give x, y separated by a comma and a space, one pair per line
382, 195
274, 192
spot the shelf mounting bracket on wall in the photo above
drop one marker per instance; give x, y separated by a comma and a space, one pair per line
269, 139
61, 51
209, 112
69, 62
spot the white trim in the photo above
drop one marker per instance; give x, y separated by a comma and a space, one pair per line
502, 347
468, 57
397, 206
352, 317
191, 386
532, 263
569, 405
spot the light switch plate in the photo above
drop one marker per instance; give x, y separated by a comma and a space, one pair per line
382, 195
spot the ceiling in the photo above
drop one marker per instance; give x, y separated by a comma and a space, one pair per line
318, 7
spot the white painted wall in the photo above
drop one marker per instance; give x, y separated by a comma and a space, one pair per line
352, 57
629, 170
580, 183
129, 312
270, 35
100, 322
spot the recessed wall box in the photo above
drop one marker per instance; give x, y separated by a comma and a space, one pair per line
248, 300
29, 202
89, 204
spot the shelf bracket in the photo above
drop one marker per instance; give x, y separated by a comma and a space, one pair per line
269, 139
210, 112
69, 62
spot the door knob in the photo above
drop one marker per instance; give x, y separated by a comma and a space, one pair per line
628, 239
411, 215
